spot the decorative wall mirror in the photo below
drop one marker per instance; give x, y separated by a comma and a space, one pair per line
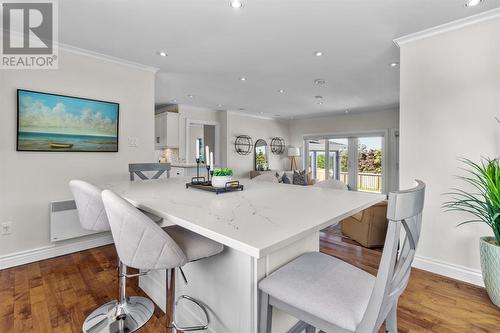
261, 155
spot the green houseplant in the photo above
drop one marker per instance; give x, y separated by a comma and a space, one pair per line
221, 177
483, 204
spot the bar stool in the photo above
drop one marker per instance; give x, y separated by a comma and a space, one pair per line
138, 309
326, 293
144, 245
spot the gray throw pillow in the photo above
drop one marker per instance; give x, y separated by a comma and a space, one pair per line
300, 178
285, 179
278, 177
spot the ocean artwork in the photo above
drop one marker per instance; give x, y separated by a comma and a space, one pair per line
48, 122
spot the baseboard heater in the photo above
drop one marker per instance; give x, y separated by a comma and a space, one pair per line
64, 221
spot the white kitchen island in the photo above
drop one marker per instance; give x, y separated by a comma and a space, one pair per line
262, 227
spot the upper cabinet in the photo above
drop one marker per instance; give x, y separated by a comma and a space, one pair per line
167, 130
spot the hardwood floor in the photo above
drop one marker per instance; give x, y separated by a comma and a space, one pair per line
55, 295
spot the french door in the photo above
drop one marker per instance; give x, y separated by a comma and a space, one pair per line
357, 160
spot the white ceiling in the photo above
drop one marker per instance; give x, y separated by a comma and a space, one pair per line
271, 42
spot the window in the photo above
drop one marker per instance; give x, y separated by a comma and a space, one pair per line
356, 160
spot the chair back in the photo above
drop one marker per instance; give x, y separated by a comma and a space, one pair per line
89, 206
139, 241
404, 212
139, 168
332, 184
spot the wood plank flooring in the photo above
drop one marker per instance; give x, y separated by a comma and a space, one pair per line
56, 295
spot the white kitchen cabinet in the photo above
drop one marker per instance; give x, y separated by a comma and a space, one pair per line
167, 130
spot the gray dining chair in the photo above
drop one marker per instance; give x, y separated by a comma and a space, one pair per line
93, 216
139, 169
327, 293
144, 245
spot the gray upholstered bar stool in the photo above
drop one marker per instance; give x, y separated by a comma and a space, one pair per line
144, 245
93, 216
326, 293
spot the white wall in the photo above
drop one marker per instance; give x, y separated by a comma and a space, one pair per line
28, 181
450, 96
256, 128
345, 123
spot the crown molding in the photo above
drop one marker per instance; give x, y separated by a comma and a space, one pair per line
101, 56
450, 26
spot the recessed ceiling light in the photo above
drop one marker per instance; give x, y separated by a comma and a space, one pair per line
162, 53
243, 78
394, 64
320, 103
219, 105
281, 91
346, 111
173, 100
318, 53
472, 3
236, 4
319, 81
261, 112
191, 96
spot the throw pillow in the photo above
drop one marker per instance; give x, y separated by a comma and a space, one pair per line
278, 177
285, 179
300, 178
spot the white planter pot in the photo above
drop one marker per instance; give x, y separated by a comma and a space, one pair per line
490, 267
220, 181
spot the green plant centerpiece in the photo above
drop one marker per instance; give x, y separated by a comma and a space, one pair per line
483, 204
221, 177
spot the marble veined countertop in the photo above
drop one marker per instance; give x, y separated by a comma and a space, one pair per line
257, 221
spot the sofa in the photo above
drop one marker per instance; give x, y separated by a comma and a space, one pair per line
367, 227
254, 173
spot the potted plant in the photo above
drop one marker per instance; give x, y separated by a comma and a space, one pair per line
221, 177
484, 205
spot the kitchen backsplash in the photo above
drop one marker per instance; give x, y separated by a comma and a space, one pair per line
171, 154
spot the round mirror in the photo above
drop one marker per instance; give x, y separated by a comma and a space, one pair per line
261, 155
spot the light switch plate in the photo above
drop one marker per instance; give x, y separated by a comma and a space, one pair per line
133, 142
6, 228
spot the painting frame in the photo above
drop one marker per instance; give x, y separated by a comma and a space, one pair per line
19, 91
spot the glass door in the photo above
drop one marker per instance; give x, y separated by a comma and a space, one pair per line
369, 176
316, 159
338, 159
356, 161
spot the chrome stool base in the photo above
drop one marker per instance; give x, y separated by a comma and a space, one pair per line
201, 327
133, 315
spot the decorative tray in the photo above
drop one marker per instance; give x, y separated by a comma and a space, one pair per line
207, 186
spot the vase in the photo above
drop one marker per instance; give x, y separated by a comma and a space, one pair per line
220, 181
490, 267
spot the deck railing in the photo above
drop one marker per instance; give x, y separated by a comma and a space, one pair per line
371, 182
366, 181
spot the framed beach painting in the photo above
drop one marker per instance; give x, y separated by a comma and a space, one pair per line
50, 122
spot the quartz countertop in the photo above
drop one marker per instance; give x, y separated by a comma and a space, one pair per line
257, 221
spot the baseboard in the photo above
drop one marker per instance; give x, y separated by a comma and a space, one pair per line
453, 271
51, 251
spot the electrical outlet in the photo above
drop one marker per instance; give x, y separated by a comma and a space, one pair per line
6, 228
133, 142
